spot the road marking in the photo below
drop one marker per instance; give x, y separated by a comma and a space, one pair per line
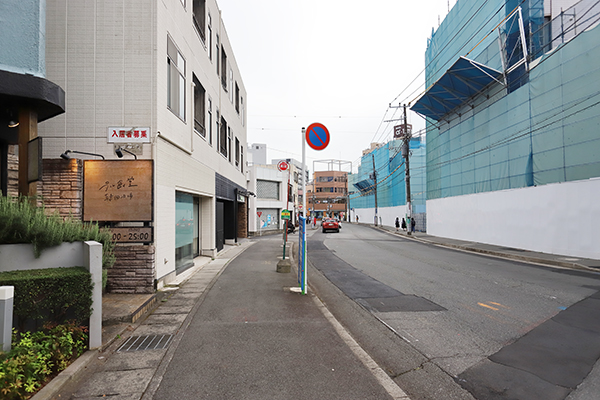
486, 306
498, 304
382, 377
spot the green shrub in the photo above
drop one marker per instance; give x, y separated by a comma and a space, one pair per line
36, 357
23, 222
53, 294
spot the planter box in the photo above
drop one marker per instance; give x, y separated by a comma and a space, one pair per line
20, 257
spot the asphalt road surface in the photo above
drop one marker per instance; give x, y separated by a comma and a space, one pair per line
464, 325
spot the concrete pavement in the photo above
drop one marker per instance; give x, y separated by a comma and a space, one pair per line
249, 283
233, 329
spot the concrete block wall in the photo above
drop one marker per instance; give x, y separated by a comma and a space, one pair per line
133, 271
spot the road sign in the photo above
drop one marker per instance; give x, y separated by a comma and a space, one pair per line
285, 214
259, 213
283, 165
317, 136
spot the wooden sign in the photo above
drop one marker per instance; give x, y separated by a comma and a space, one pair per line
132, 235
117, 190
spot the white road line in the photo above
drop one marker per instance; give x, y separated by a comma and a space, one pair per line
384, 380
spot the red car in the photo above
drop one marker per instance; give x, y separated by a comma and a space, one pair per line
330, 225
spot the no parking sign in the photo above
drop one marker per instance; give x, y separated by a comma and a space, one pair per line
317, 136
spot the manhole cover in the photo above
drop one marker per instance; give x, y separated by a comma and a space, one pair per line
147, 342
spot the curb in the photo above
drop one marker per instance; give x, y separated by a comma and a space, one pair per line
72, 371
529, 259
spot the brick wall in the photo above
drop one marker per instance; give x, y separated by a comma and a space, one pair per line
242, 229
13, 171
133, 271
62, 187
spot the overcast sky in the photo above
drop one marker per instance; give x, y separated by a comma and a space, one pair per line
337, 62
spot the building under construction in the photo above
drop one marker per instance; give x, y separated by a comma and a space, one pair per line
513, 109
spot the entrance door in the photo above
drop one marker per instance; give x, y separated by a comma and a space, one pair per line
220, 225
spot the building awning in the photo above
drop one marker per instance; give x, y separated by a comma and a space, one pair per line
464, 80
365, 185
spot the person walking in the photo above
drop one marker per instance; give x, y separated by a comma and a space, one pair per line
403, 224
397, 224
412, 224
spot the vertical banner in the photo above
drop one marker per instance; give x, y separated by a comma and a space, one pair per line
302, 255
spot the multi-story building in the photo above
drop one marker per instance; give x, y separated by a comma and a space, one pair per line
157, 80
26, 96
327, 194
378, 189
513, 108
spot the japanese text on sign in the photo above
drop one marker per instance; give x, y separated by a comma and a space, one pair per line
128, 135
117, 190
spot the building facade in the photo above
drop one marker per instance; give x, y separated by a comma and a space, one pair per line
512, 134
327, 196
27, 97
158, 81
377, 192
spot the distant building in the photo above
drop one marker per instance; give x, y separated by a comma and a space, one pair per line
512, 132
382, 172
257, 154
327, 195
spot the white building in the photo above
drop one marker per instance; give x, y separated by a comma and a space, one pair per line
270, 187
166, 65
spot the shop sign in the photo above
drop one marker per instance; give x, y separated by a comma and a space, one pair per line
119, 134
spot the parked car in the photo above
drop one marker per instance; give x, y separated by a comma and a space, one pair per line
330, 225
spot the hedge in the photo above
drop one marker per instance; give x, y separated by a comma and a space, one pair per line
54, 295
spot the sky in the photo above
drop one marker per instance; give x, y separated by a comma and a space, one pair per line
337, 62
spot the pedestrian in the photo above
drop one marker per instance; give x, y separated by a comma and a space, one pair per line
403, 224
397, 224
412, 224
357, 219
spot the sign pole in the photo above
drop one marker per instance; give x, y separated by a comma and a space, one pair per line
304, 214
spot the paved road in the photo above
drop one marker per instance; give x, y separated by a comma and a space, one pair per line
498, 328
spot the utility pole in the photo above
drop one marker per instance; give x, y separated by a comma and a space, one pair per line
406, 155
375, 187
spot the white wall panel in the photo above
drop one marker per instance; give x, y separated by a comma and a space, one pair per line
528, 218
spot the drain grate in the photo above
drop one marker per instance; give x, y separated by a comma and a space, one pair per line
147, 342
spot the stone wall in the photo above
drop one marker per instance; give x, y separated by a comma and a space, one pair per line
242, 229
13, 171
62, 187
133, 271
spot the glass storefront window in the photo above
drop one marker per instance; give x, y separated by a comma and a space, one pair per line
184, 230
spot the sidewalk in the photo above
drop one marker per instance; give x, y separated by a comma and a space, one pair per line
129, 369
500, 251
233, 329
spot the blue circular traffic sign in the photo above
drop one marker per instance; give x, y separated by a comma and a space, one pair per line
317, 136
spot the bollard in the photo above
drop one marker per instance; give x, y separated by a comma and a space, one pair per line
7, 294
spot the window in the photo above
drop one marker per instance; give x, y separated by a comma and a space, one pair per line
267, 189
242, 116
237, 152
223, 137
217, 131
209, 37
209, 122
242, 159
175, 80
230, 85
237, 98
229, 142
223, 68
198, 16
199, 94
217, 55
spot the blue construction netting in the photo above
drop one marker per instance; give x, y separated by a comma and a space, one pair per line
543, 129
